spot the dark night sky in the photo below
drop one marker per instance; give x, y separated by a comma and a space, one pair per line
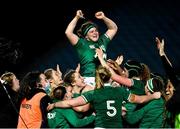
39, 26
42, 24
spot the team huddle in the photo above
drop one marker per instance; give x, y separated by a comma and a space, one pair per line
100, 92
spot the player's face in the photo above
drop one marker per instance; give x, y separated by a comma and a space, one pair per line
43, 81
79, 80
93, 35
169, 90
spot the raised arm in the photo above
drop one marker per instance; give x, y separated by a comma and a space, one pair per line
112, 27
78, 68
114, 65
120, 79
73, 38
160, 47
166, 63
119, 60
59, 73
58, 70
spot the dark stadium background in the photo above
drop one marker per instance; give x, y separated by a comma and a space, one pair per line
32, 33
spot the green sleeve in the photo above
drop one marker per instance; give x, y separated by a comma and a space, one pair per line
124, 92
88, 96
130, 106
72, 118
133, 117
75, 95
79, 44
138, 87
104, 40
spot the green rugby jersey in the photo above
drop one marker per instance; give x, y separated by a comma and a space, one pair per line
87, 55
152, 115
138, 88
107, 103
67, 118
